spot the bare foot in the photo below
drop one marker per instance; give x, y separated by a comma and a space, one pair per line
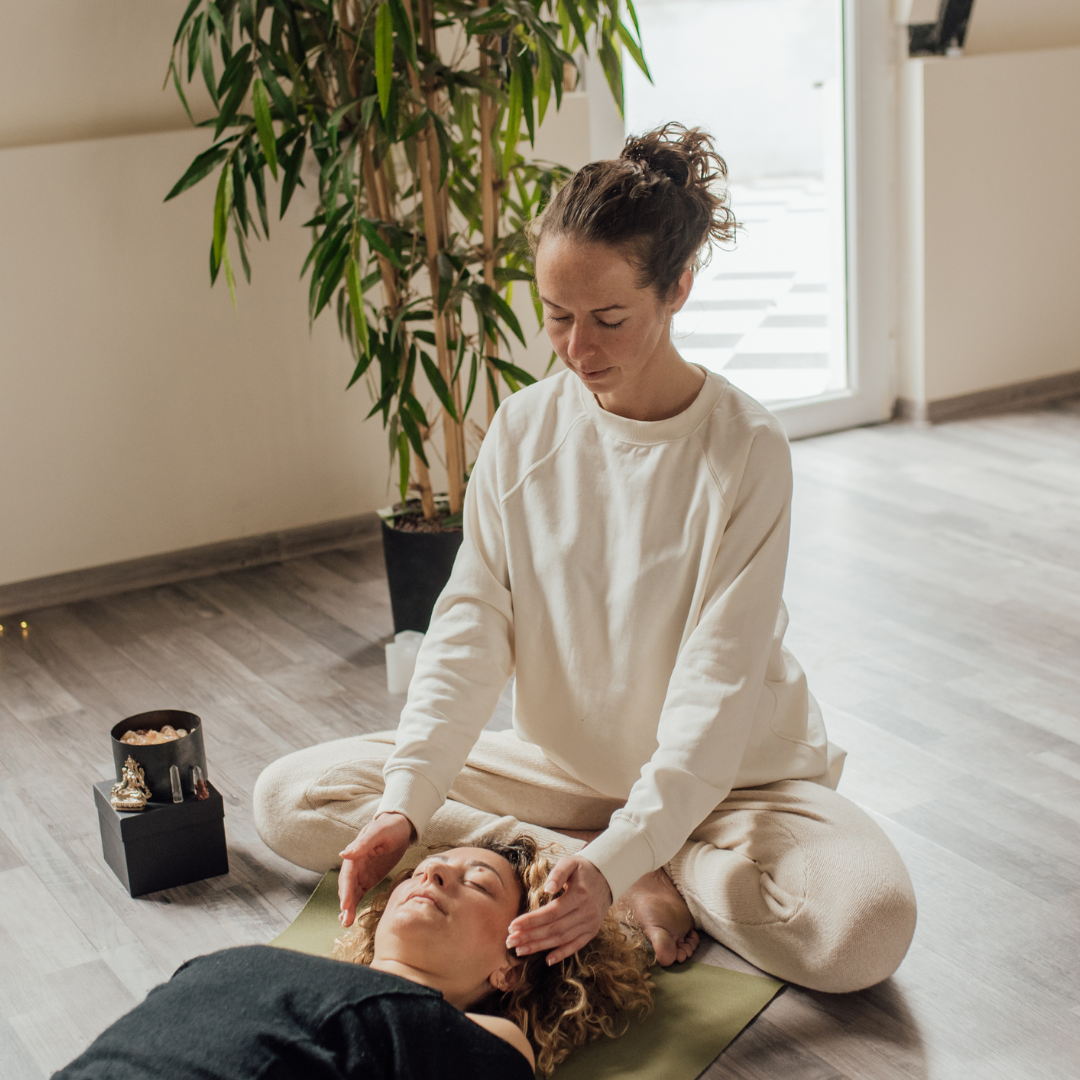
654, 905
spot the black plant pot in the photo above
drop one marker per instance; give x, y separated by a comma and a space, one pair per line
418, 565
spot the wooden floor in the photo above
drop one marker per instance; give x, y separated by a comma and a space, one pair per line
935, 599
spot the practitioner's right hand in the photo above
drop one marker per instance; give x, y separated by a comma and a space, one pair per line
377, 849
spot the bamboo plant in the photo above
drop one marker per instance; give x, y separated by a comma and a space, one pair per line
411, 113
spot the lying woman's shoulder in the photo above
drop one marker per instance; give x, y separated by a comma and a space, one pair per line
508, 1031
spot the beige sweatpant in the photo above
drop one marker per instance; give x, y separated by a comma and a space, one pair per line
791, 876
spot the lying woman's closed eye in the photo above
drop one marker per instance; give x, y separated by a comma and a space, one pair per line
484, 890
428, 955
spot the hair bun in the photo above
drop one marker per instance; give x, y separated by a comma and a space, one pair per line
663, 199
659, 155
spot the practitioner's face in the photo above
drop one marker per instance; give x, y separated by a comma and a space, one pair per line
451, 920
610, 333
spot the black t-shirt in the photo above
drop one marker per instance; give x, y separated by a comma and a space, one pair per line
260, 1013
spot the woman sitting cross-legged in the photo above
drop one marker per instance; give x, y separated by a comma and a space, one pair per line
429, 990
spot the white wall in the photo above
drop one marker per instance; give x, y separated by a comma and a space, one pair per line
84, 69
998, 26
139, 413
993, 221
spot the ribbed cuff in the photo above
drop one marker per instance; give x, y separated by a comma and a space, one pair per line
412, 794
622, 854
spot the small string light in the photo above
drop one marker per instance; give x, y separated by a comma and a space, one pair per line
25, 629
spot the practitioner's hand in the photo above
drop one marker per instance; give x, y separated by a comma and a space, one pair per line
377, 849
569, 921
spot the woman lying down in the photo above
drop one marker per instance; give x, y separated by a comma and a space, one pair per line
429, 990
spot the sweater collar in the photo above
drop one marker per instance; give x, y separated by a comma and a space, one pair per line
652, 432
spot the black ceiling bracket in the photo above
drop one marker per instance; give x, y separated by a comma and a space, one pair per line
935, 39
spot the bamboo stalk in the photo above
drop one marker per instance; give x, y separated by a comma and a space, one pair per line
435, 208
379, 192
489, 206
378, 202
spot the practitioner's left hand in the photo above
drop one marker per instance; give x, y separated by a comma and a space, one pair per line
569, 921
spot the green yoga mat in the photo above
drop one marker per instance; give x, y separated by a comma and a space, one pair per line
698, 1008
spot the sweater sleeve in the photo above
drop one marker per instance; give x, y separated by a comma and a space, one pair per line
718, 678
464, 661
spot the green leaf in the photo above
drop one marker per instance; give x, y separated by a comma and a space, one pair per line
257, 182
512, 371
408, 400
243, 250
634, 50
247, 17
406, 37
408, 424
419, 122
356, 303
572, 13
493, 299
241, 80
513, 122
199, 169
383, 404
207, 60
493, 385
332, 274
403, 465
239, 189
184, 20
229, 279
263, 124
180, 91
222, 204
543, 82
215, 16
292, 173
527, 95
377, 243
474, 367
505, 273
612, 65
361, 366
438, 384
281, 100
406, 383
337, 116
384, 55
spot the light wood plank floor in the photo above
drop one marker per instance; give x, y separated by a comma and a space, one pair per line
935, 599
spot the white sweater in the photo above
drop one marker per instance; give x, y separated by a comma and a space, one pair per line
630, 574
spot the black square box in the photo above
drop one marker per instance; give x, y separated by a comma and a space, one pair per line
165, 845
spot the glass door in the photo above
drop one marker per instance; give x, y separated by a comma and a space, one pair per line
777, 84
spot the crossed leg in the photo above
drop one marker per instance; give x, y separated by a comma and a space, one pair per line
792, 876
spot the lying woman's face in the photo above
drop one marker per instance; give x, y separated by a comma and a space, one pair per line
452, 917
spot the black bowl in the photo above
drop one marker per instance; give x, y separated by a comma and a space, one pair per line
156, 760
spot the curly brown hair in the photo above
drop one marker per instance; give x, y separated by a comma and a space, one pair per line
559, 1007
662, 201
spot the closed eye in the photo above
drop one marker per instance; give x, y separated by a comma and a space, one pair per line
611, 325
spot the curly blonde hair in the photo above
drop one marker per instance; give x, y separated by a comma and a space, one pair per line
559, 1007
